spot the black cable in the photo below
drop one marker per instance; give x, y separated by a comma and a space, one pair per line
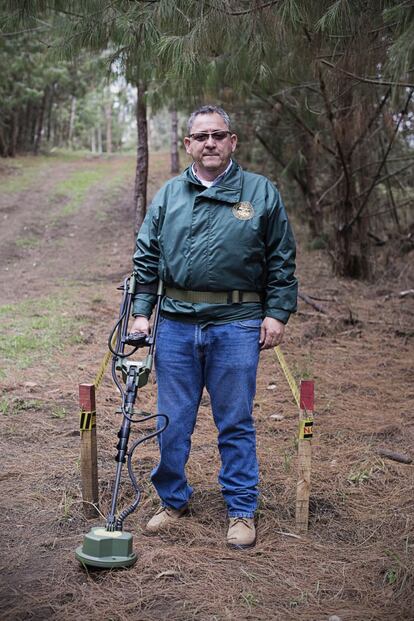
132, 507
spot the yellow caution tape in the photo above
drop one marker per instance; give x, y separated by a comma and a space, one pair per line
290, 379
100, 375
306, 429
87, 420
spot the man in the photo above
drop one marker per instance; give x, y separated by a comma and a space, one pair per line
220, 240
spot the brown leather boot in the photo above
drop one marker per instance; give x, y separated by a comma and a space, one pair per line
241, 533
165, 517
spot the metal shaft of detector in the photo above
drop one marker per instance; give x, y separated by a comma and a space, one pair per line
122, 447
131, 394
111, 520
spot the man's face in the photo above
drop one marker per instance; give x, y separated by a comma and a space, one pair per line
211, 156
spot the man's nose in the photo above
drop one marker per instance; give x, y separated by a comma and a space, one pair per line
211, 142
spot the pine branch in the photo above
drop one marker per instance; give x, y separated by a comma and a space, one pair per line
244, 11
280, 161
19, 32
303, 125
364, 79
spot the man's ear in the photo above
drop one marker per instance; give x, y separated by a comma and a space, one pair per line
187, 143
233, 143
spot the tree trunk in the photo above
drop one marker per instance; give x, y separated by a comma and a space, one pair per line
315, 215
39, 128
141, 175
175, 156
32, 130
350, 244
26, 127
3, 146
93, 140
14, 130
72, 121
108, 116
49, 116
99, 131
21, 124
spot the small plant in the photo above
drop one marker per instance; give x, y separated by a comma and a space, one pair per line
65, 506
59, 412
365, 471
390, 576
287, 461
319, 243
359, 476
16, 405
297, 601
26, 242
4, 406
249, 599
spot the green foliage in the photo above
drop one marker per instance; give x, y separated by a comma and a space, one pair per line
390, 576
365, 471
59, 412
14, 405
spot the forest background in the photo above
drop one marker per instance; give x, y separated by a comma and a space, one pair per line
320, 93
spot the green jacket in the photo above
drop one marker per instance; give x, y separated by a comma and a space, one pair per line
204, 239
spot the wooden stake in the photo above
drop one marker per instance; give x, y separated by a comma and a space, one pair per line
89, 458
304, 454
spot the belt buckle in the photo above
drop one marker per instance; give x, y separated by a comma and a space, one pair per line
234, 297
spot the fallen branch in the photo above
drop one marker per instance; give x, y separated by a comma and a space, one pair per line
405, 294
286, 534
314, 305
313, 297
400, 457
378, 241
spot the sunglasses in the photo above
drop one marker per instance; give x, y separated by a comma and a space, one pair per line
218, 135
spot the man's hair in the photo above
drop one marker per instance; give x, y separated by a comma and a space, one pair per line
208, 110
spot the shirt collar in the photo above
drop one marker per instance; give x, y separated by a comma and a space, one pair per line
215, 181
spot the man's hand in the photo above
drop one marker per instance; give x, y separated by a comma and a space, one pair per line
271, 333
141, 324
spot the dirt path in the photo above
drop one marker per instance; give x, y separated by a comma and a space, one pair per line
62, 258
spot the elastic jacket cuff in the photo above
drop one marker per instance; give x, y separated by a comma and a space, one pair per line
278, 313
143, 304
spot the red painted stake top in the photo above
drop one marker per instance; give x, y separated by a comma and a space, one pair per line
307, 395
87, 397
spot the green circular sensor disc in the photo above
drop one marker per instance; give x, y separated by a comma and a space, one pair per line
103, 548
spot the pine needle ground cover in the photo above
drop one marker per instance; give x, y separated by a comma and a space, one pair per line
356, 561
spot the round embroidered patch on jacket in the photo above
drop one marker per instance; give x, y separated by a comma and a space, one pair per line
243, 210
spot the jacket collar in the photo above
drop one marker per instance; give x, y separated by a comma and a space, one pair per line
227, 190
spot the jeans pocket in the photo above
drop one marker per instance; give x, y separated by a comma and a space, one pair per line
249, 324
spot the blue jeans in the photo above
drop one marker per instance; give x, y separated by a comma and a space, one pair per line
224, 359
